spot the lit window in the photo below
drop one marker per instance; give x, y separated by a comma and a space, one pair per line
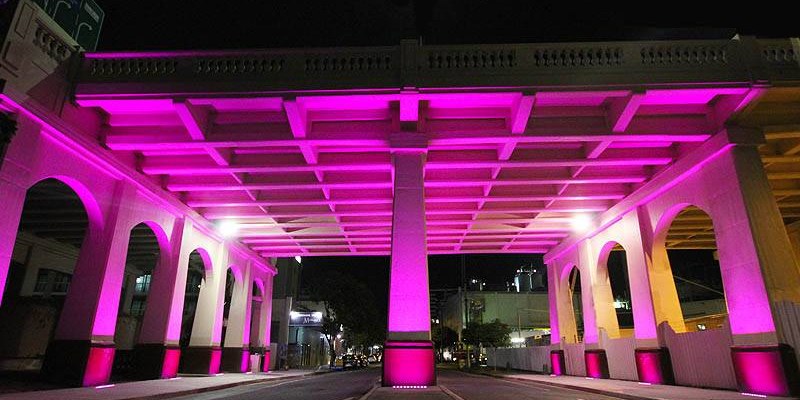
143, 283
701, 327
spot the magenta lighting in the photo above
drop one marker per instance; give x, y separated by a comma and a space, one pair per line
232, 159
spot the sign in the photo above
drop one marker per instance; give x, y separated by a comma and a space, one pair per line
81, 19
305, 318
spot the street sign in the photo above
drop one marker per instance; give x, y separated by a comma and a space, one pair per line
305, 318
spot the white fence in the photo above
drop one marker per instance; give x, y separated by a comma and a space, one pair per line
701, 358
535, 358
573, 357
621, 357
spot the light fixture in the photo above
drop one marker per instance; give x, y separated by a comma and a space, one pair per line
298, 259
581, 222
228, 228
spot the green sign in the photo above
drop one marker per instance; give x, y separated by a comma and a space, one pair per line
81, 19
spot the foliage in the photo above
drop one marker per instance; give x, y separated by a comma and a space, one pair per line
349, 303
495, 333
443, 336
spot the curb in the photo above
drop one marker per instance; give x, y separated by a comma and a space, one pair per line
568, 386
220, 387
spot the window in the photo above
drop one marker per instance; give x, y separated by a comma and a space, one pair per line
61, 283
42, 280
137, 306
143, 283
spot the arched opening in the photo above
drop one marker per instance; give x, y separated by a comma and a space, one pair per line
688, 240
574, 285
230, 286
195, 279
255, 315
613, 294
144, 253
51, 233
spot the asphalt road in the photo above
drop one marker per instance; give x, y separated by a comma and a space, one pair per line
331, 386
478, 387
352, 384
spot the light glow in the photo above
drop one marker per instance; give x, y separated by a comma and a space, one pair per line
228, 228
581, 223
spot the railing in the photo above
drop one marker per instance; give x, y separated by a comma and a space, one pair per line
419, 66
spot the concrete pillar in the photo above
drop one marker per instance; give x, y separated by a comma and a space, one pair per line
264, 328
759, 273
562, 320
236, 349
83, 349
652, 359
408, 352
204, 354
10, 213
157, 354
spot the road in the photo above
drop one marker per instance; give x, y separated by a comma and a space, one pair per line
479, 387
332, 386
353, 384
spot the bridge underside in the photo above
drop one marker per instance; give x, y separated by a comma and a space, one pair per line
233, 158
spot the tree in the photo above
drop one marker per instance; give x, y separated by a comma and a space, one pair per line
495, 334
443, 336
347, 303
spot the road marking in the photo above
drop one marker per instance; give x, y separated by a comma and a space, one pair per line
450, 393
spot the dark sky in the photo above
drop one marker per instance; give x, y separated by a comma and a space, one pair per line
180, 24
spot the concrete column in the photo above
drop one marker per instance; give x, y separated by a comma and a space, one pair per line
10, 213
236, 349
203, 356
83, 349
562, 320
595, 291
652, 359
408, 353
265, 327
759, 272
158, 353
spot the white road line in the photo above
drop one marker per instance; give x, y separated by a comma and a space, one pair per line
450, 393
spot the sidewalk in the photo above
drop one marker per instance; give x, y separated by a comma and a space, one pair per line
158, 389
629, 390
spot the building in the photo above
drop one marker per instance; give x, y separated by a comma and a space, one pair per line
571, 150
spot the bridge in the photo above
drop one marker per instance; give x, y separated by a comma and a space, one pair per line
230, 159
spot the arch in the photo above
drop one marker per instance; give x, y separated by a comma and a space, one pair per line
676, 309
87, 198
613, 308
571, 278
208, 266
192, 290
57, 218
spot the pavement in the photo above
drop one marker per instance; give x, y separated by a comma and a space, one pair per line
160, 388
625, 389
364, 385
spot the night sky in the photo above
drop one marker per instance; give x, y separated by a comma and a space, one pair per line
145, 25
152, 25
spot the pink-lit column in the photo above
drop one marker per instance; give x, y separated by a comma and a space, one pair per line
236, 349
83, 349
265, 322
157, 355
408, 358
759, 272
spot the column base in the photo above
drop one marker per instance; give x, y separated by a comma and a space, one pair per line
265, 361
201, 360
596, 363
653, 365
156, 361
235, 359
557, 363
766, 370
78, 362
408, 363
